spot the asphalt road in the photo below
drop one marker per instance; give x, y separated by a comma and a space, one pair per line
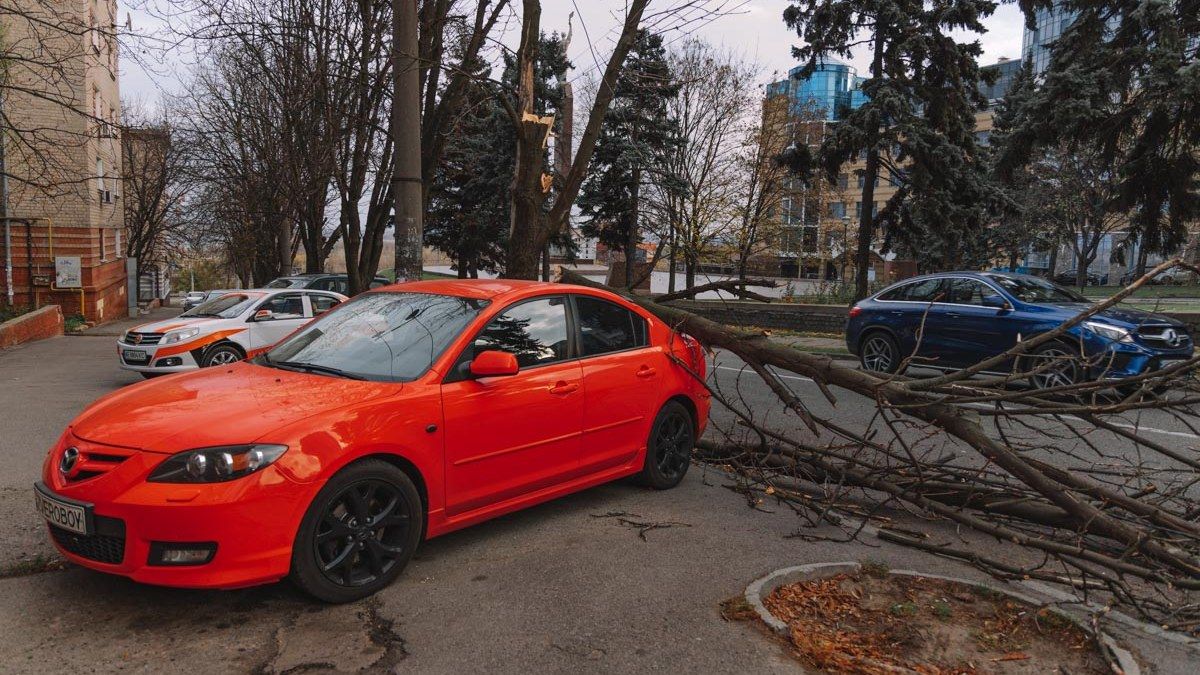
566, 586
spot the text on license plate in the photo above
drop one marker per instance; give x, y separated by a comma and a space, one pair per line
67, 516
135, 355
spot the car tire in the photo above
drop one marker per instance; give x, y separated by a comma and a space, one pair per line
879, 353
221, 354
337, 560
1067, 372
669, 447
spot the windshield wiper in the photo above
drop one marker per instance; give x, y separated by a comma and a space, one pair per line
316, 368
203, 314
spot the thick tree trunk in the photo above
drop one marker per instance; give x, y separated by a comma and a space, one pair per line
406, 130
631, 242
866, 220
671, 259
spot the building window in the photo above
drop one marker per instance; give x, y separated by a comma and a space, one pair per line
837, 209
843, 181
809, 241
100, 175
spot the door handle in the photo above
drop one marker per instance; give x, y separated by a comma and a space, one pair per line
563, 388
646, 371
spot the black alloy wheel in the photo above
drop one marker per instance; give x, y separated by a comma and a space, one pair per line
669, 448
359, 533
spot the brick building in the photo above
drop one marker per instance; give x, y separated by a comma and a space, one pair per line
62, 153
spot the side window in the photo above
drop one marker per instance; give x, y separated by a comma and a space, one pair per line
322, 303
605, 327
536, 331
929, 290
896, 293
967, 292
285, 306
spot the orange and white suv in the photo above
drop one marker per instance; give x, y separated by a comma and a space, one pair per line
221, 331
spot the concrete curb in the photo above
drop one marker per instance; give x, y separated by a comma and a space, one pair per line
1120, 659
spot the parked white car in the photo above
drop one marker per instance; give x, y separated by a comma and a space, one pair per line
223, 330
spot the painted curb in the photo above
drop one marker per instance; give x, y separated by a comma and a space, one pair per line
1119, 658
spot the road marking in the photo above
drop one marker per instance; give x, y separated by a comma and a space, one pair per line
1131, 427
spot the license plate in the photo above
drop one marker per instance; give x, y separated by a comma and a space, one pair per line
135, 355
72, 516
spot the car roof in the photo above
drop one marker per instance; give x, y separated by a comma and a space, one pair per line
482, 289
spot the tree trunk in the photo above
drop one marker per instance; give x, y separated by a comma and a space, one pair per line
671, 259
406, 130
1053, 260
866, 220
631, 242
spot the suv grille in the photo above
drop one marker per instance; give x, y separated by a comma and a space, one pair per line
106, 546
1168, 337
134, 339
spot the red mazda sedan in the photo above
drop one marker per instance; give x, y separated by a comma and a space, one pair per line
409, 412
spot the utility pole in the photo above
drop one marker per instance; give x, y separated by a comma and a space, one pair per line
8, 263
407, 186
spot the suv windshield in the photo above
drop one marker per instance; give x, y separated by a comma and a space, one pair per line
226, 307
1034, 290
392, 337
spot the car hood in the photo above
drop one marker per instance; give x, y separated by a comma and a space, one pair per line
175, 322
216, 406
1125, 315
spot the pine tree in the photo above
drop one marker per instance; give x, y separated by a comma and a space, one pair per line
636, 133
469, 200
917, 123
1123, 83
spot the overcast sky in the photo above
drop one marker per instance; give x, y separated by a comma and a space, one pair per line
755, 30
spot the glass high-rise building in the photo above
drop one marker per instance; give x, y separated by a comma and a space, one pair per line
1037, 43
831, 90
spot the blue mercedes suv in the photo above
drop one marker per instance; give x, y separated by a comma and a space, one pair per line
954, 320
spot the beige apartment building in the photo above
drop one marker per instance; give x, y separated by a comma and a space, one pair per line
63, 153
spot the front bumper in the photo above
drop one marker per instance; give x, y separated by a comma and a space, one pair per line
174, 362
252, 521
1121, 360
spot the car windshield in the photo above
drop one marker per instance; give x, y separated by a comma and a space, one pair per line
226, 306
1034, 290
286, 282
393, 337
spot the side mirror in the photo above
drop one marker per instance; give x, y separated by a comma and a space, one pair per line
264, 315
996, 301
494, 363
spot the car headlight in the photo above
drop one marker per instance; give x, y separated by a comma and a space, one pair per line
180, 335
216, 465
1109, 332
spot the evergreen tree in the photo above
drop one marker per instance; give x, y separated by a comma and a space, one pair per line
636, 134
1022, 222
917, 123
1123, 84
469, 200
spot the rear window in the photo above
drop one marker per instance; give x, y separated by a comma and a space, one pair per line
606, 327
927, 290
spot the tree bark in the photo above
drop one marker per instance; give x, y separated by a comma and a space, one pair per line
866, 220
406, 131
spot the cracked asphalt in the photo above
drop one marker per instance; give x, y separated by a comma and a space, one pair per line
612, 579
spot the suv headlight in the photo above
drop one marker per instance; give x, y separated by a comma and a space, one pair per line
216, 465
180, 335
1109, 332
